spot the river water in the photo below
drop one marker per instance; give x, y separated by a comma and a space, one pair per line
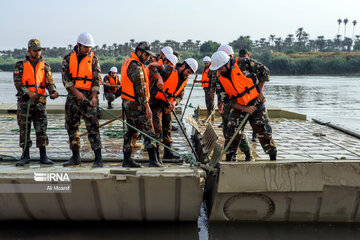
329, 98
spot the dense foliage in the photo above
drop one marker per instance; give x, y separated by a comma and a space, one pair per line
295, 54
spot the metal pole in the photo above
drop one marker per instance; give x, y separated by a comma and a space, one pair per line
243, 122
187, 101
182, 129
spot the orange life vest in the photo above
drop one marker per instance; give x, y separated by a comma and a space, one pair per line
113, 81
128, 91
161, 62
205, 80
81, 73
240, 87
34, 79
170, 87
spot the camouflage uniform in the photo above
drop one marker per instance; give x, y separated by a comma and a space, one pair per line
209, 96
135, 111
258, 120
244, 143
110, 96
152, 59
37, 112
161, 119
75, 109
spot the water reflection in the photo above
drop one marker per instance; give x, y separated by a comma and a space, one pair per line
282, 231
98, 230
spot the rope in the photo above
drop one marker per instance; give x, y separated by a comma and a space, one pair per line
189, 158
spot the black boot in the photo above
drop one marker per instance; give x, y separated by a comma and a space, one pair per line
74, 160
152, 158
248, 157
174, 128
254, 137
129, 162
109, 105
43, 157
272, 156
158, 155
98, 163
168, 154
230, 157
25, 157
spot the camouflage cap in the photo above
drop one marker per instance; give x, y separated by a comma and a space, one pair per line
243, 52
146, 46
34, 44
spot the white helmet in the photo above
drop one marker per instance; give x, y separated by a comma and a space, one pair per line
218, 59
172, 58
192, 63
167, 50
226, 48
113, 69
86, 39
206, 59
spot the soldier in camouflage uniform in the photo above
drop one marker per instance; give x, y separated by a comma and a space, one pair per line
135, 95
251, 66
258, 115
160, 58
225, 108
112, 86
81, 78
175, 79
29, 90
206, 84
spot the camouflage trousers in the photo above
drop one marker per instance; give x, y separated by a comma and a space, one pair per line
260, 124
74, 110
37, 115
162, 122
110, 97
209, 101
136, 116
244, 144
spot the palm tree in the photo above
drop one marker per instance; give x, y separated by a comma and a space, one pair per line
299, 34
320, 42
354, 23
339, 22
132, 42
337, 41
271, 39
345, 22
348, 43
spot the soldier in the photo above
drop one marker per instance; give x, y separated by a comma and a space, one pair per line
225, 109
241, 93
31, 76
175, 79
161, 56
135, 95
112, 86
81, 78
205, 83
250, 66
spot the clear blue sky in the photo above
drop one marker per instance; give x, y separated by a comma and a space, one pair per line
58, 23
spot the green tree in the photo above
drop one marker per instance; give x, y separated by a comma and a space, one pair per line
348, 43
339, 23
242, 42
354, 24
209, 47
345, 22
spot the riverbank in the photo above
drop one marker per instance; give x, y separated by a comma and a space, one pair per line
307, 63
